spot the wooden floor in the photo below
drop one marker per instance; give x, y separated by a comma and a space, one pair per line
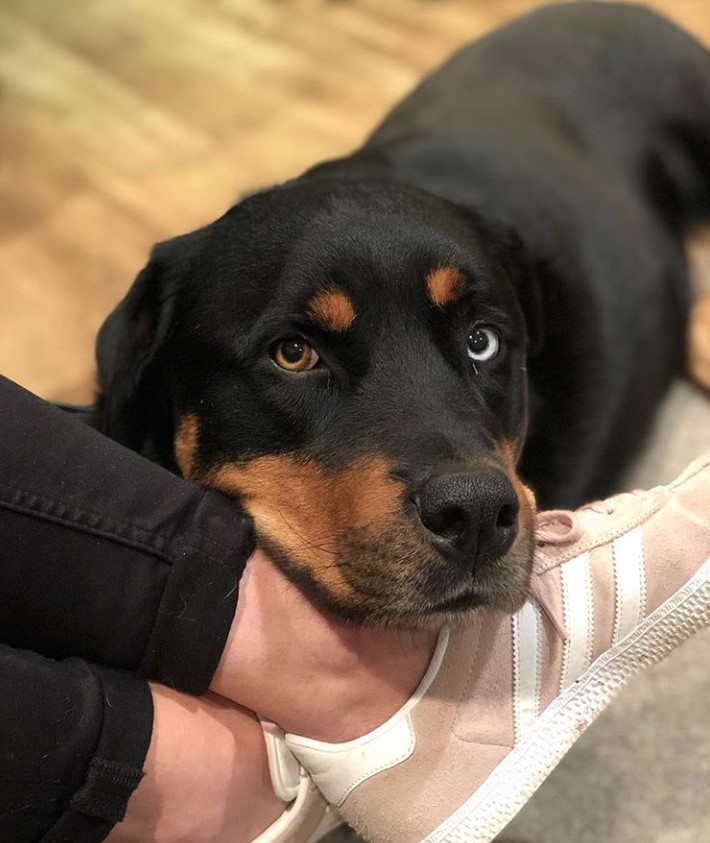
123, 122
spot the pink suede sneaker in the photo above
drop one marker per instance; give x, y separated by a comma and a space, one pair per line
616, 586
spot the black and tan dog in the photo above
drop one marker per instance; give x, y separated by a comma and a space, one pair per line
364, 356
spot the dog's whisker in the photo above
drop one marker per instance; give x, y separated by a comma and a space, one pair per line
308, 542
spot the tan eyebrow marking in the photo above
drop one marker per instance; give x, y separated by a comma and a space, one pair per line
332, 309
444, 285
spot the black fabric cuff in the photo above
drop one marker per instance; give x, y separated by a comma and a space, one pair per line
108, 557
116, 768
200, 597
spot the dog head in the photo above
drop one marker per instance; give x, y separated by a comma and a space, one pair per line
346, 360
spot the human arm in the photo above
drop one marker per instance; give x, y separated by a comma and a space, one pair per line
206, 776
83, 747
68, 762
105, 556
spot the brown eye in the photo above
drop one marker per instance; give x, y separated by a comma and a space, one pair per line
295, 355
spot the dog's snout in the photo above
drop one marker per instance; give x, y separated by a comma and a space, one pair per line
471, 516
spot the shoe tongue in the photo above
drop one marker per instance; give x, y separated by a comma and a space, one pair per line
557, 526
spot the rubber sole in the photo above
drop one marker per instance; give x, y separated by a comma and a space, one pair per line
526, 767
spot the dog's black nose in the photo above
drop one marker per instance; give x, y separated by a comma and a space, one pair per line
471, 515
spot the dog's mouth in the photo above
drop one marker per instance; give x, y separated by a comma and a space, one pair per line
395, 578
502, 584
351, 544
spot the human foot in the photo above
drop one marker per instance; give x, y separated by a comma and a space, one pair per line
309, 672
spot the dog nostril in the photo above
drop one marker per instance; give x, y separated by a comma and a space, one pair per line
506, 517
449, 523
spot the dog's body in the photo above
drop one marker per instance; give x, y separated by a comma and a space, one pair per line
349, 354
587, 130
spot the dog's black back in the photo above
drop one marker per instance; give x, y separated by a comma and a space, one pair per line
586, 129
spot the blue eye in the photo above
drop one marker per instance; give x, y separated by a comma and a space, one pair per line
483, 344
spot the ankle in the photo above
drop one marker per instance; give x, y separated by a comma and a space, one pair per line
368, 676
309, 672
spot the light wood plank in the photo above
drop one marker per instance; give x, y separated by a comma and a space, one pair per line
123, 122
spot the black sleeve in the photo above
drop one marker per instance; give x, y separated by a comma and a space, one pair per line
73, 738
106, 556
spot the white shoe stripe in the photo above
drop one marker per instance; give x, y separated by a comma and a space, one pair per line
527, 669
630, 576
579, 619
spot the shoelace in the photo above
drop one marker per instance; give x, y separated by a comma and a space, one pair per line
561, 526
608, 506
556, 526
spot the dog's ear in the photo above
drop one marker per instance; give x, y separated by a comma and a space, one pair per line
133, 406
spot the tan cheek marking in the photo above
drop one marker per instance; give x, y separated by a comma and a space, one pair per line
699, 341
509, 451
305, 510
445, 285
520, 556
333, 310
186, 443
